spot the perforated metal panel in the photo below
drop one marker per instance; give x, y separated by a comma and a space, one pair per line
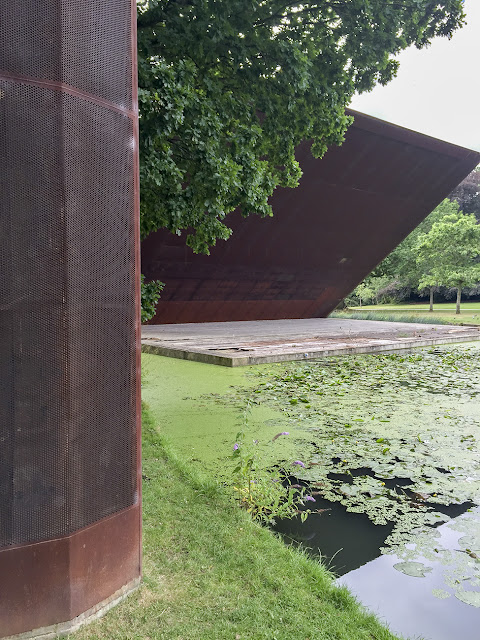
68, 323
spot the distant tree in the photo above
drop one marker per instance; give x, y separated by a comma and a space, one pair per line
467, 194
372, 289
362, 293
448, 254
400, 268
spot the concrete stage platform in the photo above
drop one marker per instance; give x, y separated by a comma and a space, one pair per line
234, 344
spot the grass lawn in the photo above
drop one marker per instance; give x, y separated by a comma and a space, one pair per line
210, 573
444, 312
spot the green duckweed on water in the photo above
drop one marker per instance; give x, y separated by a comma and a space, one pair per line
201, 407
394, 436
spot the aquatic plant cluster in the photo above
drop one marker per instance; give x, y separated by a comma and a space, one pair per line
393, 436
267, 494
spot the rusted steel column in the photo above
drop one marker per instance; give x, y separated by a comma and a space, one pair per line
70, 534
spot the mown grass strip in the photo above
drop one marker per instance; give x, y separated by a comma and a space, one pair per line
389, 317
210, 573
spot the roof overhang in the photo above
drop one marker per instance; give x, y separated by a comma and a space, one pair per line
351, 209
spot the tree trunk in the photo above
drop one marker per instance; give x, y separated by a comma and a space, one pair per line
431, 299
459, 295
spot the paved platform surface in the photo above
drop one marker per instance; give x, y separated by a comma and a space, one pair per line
234, 344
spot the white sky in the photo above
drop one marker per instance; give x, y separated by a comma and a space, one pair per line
437, 90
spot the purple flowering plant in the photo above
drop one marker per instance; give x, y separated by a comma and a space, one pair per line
265, 493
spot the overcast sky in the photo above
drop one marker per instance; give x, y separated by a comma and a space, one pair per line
437, 90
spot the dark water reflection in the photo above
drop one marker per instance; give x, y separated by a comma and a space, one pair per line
349, 544
407, 604
408, 607
344, 540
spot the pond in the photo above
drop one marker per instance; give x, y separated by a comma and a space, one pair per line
390, 447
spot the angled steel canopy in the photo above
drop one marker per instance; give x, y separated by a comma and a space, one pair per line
350, 210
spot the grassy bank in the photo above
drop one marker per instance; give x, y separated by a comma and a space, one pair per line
357, 314
443, 313
212, 574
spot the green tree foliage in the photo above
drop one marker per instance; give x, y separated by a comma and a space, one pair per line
228, 88
448, 254
400, 268
467, 194
371, 290
401, 265
399, 273
150, 294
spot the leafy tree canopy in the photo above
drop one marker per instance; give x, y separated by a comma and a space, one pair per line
402, 272
150, 294
228, 88
401, 265
467, 194
448, 254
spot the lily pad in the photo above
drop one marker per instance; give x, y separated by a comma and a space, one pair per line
413, 569
441, 594
470, 542
469, 597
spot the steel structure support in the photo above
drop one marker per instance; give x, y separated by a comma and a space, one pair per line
70, 533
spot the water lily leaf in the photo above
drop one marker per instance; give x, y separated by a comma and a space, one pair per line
469, 597
414, 569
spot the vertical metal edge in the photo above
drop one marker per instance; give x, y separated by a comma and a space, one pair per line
136, 225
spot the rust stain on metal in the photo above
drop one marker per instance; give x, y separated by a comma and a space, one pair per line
350, 210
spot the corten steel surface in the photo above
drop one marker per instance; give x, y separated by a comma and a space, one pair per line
69, 322
349, 211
